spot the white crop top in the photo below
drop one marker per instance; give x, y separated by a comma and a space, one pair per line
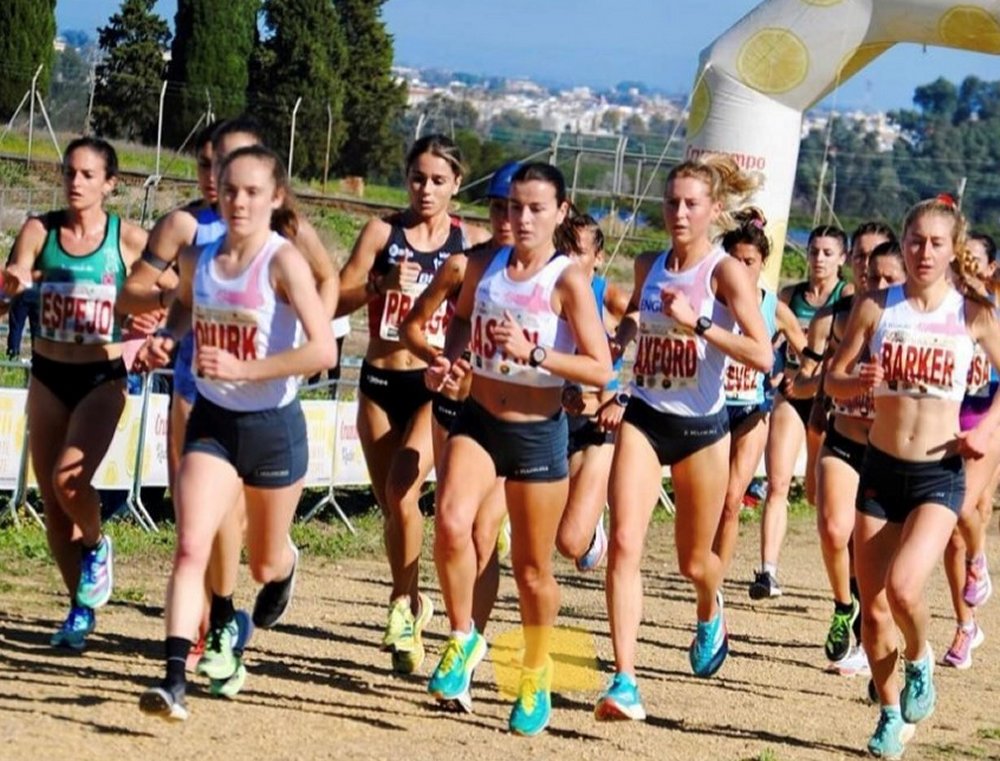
676, 371
923, 353
244, 317
530, 302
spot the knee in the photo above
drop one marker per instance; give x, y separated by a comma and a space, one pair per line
192, 553
68, 484
693, 565
570, 540
624, 550
835, 531
778, 487
532, 578
452, 532
731, 508
903, 595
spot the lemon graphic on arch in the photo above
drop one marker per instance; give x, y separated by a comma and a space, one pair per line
854, 62
701, 103
773, 61
970, 28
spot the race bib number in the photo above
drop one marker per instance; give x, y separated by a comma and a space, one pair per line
862, 406
666, 357
232, 330
81, 313
741, 382
918, 362
487, 356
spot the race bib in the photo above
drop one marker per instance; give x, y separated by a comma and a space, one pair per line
666, 357
81, 313
399, 303
232, 330
487, 356
741, 382
917, 362
979, 374
862, 406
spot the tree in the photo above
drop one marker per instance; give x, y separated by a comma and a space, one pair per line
938, 99
209, 62
67, 104
611, 120
373, 101
303, 55
126, 101
27, 28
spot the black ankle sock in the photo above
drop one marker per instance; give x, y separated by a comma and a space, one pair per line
857, 621
222, 611
843, 607
177, 649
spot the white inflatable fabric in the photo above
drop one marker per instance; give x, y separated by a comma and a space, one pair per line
755, 80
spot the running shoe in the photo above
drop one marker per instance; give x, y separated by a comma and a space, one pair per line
274, 597
399, 623
96, 574
533, 707
916, 701
244, 631
164, 702
710, 645
978, 585
453, 675
891, 735
764, 586
220, 660
229, 688
620, 701
595, 553
838, 638
408, 651
74, 630
959, 655
855, 663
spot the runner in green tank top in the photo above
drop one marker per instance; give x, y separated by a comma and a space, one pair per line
79, 257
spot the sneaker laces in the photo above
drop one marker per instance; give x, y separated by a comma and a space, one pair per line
452, 655
77, 619
839, 625
917, 676
882, 728
527, 691
399, 624
958, 645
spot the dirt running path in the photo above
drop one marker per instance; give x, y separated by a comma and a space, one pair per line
319, 688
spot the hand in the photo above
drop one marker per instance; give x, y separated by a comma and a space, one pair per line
572, 399
402, 276
609, 416
615, 348
510, 337
786, 387
218, 364
144, 324
156, 352
16, 279
436, 374
677, 306
973, 444
871, 375
459, 371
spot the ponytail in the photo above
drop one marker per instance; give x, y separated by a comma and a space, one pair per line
727, 183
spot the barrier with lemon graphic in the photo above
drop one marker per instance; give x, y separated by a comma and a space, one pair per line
755, 80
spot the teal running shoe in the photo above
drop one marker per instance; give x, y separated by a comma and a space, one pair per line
916, 701
453, 675
533, 707
710, 645
96, 575
74, 630
220, 660
891, 735
620, 701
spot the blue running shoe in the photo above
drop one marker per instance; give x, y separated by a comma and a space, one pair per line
891, 734
96, 574
916, 701
620, 701
74, 630
453, 675
244, 631
533, 707
710, 645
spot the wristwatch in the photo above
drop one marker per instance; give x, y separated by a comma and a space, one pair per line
701, 325
622, 399
537, 356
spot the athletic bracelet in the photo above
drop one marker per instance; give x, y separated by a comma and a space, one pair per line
153, 260
815, 356
164, 333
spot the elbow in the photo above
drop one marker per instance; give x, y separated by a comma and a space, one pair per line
602, 377
763, 361
326, 357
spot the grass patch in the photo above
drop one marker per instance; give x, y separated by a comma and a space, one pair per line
990, 733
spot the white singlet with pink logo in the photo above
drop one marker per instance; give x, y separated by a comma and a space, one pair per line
530, 303
243, 316
923, 353
676, 371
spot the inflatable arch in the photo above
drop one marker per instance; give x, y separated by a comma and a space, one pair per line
755, 80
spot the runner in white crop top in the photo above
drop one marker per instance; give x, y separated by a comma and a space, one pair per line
912, 482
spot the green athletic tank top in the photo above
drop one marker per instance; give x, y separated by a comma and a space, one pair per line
77, 293
804, 312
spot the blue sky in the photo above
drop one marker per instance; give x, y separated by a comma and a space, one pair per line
598, 43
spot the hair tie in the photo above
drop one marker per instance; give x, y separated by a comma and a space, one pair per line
947, 200
758, 223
